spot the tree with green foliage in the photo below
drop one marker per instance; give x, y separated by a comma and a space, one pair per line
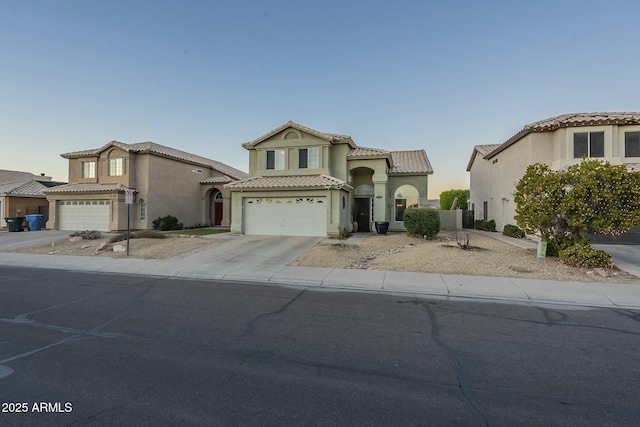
565, 207
447, 198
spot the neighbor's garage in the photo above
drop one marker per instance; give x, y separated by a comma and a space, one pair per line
83, 215
285, 216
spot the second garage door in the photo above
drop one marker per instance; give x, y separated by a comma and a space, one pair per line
285, 216
83, 215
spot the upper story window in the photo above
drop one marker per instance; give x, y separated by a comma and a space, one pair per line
275, 159
88, 169
308, 158
588, 144
632, 144
115, 167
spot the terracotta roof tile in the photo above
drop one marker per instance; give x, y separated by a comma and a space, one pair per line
333, 137
86, 188
162, 150
216, 180
410, 161
571, 120
367, 151
298, 181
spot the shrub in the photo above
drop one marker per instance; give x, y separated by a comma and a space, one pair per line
513, 231
140, 234
481, 224
87, 235
447, 198
585, 255
168, 222
422, 222
343, 233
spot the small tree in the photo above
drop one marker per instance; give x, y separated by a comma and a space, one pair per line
447, 198
590, 197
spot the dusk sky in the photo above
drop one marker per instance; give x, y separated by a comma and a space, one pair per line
207, 76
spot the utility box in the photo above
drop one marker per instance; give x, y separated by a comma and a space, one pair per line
542, 249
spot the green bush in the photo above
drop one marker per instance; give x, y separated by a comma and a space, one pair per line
481, 224
513, 231
585, 255
168, 222
422, 222
447, 198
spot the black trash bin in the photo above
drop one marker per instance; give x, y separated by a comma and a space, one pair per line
382, 227
15, 223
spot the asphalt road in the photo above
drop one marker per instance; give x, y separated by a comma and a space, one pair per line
91, 350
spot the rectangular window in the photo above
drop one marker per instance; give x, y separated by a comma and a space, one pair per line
485, 211
308, 158
88, 169
632, 144
275, 159
115, 167
143, 210
588, 144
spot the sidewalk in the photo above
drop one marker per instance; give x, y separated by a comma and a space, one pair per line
405, 283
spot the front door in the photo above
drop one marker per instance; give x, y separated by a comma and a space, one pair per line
363, 214
217, 220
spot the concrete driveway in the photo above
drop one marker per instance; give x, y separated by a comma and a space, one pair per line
20, 239
626, 257
256, 250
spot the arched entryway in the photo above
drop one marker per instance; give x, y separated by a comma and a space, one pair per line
215, 207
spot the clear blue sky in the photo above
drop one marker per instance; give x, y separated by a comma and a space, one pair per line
207, 76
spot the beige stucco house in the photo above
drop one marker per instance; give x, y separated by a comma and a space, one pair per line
558, 142
308, 183
22, 193
166, 181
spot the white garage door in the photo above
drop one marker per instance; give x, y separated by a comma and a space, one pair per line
285, 216
83, 215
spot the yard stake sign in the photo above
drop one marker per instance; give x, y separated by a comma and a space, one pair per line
128, 199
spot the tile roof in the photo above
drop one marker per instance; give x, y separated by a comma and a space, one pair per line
483, 150
298, 181
584, 119
86, 188
162, 150
333, 137
570, 120
29, 188
410, 161
367, 151
15, 176
216, 180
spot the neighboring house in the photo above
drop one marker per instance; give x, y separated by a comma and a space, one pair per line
166, 181
308, 183
558, 142
21, 193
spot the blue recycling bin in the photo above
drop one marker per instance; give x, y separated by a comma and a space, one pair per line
34, 221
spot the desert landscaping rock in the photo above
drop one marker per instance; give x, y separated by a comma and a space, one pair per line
487, 257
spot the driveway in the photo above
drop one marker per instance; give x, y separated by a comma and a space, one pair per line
16, 239
256, 250
626, 257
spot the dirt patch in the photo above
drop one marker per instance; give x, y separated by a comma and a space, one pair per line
172, 245
487, 257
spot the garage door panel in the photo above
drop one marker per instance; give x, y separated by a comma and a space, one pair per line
285, 216
83, 215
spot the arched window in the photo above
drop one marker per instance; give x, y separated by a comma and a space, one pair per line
406, 196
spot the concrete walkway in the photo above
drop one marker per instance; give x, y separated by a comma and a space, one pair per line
202, 266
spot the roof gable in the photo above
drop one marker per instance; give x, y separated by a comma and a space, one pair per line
331, 137
570, 120
482, 150
163, 151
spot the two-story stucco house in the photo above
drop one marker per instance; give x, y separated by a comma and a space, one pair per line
558, 142
166, 181
308, 183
